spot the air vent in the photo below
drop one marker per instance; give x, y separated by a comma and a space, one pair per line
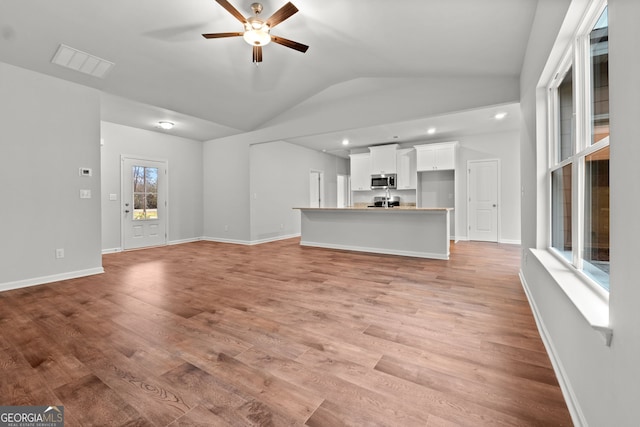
81, 61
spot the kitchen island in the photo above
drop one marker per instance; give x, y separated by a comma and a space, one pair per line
407, 231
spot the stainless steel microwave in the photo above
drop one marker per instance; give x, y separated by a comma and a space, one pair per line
383, 181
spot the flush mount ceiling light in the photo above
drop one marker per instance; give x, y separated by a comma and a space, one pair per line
257, 30
499, 116
431, 131
345, 141
165, 125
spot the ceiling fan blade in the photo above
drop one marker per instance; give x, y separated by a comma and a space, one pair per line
257, 54
220, 35
232, 10
290, 43
281, 14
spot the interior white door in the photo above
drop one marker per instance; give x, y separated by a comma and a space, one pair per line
144, 203
482, 204
315, 189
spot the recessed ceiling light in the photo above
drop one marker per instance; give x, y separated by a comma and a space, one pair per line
345, 141
165, 125
431, 131
501, 115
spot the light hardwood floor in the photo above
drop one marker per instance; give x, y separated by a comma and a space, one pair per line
277, 334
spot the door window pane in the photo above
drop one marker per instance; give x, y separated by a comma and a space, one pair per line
566, 116
145, 193
599, 48
596, 217
561, 211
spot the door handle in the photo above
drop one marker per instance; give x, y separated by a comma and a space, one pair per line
127, 210
493, 206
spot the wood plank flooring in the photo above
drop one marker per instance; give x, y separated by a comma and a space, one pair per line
208, 334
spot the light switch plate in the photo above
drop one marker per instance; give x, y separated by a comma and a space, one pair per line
86, 172
113, 197
85, 194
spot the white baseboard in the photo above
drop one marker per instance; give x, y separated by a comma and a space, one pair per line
505, 241
48, 279
274, 239
221, 240
510, 241
567, 391
181, 241
111, 251
376, 250
249, 242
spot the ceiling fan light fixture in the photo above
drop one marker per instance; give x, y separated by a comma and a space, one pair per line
257, 37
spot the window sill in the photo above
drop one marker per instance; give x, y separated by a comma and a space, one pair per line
591, 303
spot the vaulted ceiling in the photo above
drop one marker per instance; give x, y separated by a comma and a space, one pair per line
370, 62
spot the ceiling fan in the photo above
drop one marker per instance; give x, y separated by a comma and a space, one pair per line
256, 30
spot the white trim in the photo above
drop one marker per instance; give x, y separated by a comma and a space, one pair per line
249, 242
510, 241
181, 241
35, 281
591, 301
377, 250
563, 379
111, 251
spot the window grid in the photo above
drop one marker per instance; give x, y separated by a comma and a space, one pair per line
579, 142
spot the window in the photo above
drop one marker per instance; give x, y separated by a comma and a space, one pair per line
579, 160
145, 193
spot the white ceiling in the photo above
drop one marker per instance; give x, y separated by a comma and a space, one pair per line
165, 70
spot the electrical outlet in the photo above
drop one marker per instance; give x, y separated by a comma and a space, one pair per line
226, 228
59, 253
281, 226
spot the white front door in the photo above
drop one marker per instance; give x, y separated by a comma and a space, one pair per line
144, 203
482, 205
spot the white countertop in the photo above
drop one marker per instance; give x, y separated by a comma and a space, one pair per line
367, 209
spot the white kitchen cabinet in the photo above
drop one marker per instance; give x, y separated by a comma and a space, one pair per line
383, 159
406, 169
440, 156
360, 171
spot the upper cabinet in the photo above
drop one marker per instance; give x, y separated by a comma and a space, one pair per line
440, 156
360, 171
406, 166
383, 159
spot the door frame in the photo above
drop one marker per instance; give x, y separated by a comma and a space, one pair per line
346, 188
321, 189
498, 191
165, 190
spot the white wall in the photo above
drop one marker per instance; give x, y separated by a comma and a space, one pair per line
603, 382
250, 190
50, 128
226, 191
184, 159
280, 181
